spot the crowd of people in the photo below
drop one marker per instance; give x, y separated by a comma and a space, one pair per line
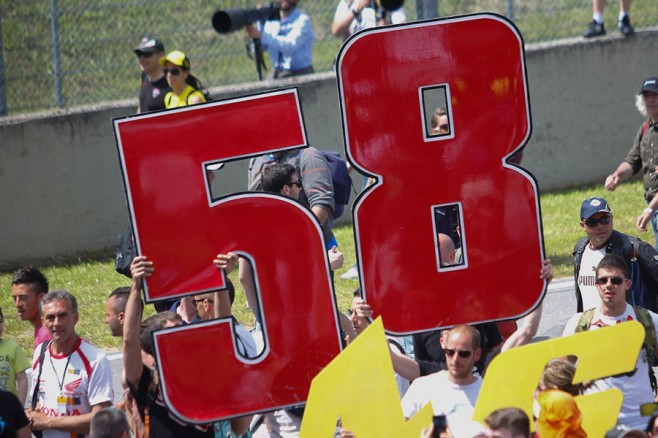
71, 392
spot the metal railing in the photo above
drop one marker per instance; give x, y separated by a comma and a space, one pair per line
66, 53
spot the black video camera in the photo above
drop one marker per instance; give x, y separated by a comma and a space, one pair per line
231, 20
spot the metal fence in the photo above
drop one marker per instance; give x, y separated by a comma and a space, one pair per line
65, 53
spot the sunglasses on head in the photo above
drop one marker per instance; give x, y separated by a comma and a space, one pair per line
602, 281
144, 54
174, 71
592, 221
461, 353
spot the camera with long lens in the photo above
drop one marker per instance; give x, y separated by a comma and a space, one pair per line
230, 20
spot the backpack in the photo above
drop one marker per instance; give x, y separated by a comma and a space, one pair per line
645, 128
340, 179
125, 252
649, 343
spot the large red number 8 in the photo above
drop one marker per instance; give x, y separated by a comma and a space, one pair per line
382, 73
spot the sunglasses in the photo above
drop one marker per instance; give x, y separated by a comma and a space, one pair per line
464, 354
602, 281
144, 54
592, 222
296, 183
174, 71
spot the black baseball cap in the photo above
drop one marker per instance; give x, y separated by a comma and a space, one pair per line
149, 45
649, 84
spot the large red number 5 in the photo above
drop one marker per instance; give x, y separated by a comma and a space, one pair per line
382, 73
180, 228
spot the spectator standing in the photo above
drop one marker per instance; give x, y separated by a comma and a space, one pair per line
13, 364
140, 372
452, 392
352, 16
115, 307
71, 378
110, 423
596, 26
185, 88
28, 286
643, 156
612, 282
289, 41
317, 193
507, 423
12, 417
596, 220
559, 415
154, 84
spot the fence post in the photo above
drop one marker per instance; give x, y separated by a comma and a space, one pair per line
510, 9
57, 64
427, 9
3, 89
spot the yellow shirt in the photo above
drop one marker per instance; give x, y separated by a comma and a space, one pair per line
173, 100
12, 362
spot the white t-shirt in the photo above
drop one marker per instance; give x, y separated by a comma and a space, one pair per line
456, 402
586, 276
636, 387
367, 18
71, 385
246, 342
403, 384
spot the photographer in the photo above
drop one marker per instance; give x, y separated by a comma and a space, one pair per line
354, 15
290, 41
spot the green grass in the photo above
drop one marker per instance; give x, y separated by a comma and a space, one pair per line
92, 281
96, 40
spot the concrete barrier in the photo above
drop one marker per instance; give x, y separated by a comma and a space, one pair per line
60, 185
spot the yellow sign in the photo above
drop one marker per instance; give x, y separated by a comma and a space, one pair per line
513, 376
359, 387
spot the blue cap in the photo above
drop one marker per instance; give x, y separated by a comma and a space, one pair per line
591, 206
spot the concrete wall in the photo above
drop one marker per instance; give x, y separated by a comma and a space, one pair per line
60, 186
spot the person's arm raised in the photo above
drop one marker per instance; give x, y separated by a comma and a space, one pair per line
132, 351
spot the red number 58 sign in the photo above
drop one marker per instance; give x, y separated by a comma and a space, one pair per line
383, 78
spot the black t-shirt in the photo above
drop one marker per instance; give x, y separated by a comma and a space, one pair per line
151, 96
12, 415
162, 423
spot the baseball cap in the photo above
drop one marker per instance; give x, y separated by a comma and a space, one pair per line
591, 206
149, 45
649, 84
177, 58
620, 432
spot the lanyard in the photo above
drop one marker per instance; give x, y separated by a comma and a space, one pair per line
68, 359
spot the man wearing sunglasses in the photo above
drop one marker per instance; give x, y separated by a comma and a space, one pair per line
597, 221
612, 279
154, 84
453, 392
